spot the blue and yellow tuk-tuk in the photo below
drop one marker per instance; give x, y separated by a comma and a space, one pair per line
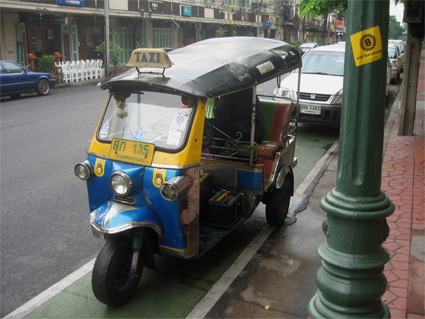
160, 181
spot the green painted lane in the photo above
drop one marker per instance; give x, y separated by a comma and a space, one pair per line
178, 285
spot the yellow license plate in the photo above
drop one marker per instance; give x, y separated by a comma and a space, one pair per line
131, 151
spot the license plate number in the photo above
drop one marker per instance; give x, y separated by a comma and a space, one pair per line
310, 109
132, 152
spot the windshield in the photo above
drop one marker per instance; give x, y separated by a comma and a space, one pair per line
323, 62
392, 52
160, 119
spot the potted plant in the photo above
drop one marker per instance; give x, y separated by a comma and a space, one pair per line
46, 63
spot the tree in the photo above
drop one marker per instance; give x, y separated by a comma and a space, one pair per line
395, 30
321, 7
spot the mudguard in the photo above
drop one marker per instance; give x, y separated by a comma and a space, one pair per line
113, 218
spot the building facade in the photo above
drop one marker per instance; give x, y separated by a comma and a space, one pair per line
74, 29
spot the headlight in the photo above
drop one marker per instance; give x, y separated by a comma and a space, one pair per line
174, 187
83, 170
337, 98
284, 93
120, 183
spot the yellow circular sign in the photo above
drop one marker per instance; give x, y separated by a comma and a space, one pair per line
368, 42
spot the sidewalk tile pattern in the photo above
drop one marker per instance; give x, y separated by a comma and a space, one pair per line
403, 183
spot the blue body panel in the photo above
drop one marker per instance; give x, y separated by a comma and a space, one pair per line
149, 210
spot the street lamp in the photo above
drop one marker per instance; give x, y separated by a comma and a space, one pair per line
256, 7
146, 16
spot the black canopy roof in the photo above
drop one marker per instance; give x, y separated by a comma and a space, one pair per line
215, 67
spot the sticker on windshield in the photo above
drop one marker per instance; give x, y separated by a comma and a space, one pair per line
367, 46
180, 122
105, 130
139, 135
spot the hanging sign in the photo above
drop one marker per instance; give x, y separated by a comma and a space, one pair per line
367, 46
79, 3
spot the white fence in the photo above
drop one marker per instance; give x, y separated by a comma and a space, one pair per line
82, 70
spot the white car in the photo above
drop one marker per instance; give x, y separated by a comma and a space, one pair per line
395, 60
321, 85
402, 47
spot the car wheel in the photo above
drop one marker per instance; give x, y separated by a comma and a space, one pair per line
277, 204
112, 282
43, 87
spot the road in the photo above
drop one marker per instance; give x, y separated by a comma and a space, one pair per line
45, 233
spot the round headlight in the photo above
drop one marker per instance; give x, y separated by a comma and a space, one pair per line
83, 170
120, 183
175, 187
169, 192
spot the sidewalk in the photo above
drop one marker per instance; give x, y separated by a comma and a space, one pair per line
403, 183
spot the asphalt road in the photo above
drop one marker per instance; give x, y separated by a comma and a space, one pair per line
45, 233
44, 220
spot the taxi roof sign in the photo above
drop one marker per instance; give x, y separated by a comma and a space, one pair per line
149, 58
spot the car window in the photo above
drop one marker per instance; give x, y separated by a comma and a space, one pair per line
322, 62
392, 52
13, 68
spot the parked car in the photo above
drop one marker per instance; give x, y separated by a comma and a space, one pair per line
303, 48
402, 47
321, 85
395, 60
389, 74
16, 79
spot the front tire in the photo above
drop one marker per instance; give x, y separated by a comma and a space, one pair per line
277, 204
43, 87
112, 281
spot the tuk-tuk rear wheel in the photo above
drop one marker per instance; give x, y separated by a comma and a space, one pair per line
112, 282
277, 204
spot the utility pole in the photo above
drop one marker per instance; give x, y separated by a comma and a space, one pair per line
351, 281
107, 52
414, 17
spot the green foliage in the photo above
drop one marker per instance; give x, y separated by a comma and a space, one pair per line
220, 32
115, 57
115, 51
46, 63
320, 7
395, 30
295, 43
100, 48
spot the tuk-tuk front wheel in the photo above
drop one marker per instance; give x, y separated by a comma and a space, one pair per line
112, 280
277, 204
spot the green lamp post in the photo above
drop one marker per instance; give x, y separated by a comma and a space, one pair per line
351, 280
146, 16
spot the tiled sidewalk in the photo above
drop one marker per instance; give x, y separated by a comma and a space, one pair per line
403, 182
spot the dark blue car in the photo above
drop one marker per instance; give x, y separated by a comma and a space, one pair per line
15, 79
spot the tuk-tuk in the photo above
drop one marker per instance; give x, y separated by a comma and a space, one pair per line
160, 181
